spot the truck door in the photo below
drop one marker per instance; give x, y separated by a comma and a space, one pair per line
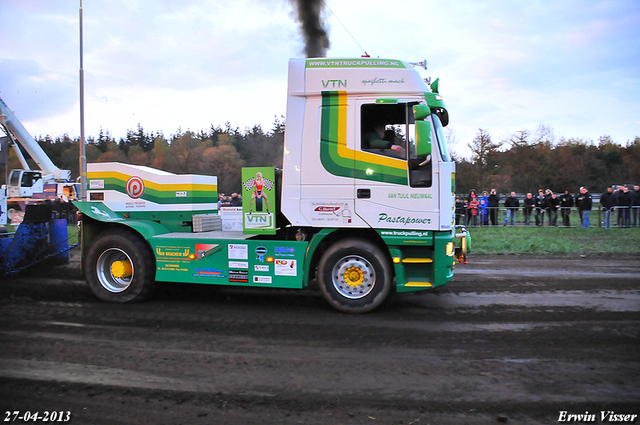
30, 183
399, 190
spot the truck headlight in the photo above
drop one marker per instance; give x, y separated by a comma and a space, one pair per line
450, 249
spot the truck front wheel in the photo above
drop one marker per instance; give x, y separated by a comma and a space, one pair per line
354, 276
119, 267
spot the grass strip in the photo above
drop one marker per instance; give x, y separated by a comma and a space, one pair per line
554, 240
531, 240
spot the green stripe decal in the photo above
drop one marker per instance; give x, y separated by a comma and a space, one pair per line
329, 135
339, 160
163, 196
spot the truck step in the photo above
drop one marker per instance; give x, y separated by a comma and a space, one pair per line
419, 284
417, 260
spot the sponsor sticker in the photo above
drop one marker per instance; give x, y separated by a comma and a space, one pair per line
208, 272
204, 250
261, 251
96, 184
135, 187
285, 267
262, 279
165, 252
330, 212
239, 276
285, 251
238, 251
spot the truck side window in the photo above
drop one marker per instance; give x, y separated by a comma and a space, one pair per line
29, 179
420, 174
389, 129
381, 129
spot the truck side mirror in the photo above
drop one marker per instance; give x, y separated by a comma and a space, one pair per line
423, 138
423, 130
421, 111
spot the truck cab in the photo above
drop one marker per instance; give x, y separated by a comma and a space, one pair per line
356, 153
25, 183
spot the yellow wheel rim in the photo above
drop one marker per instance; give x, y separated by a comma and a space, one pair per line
353, 277
121, 269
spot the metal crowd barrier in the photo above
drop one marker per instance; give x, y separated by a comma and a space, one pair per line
618, 217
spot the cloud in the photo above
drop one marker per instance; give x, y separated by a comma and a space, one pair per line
504, 65
33, 90
199, 43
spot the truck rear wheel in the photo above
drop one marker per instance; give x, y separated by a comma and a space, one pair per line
354, 276
119, 267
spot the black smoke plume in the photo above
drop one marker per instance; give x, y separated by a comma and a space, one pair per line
316, 39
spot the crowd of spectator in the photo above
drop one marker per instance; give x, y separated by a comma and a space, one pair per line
484, 210
62, 208
234, 200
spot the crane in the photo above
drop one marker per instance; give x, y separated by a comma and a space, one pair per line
27, 184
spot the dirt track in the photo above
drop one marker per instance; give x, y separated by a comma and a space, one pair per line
515, 339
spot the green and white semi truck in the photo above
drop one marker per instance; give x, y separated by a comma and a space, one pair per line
363, 206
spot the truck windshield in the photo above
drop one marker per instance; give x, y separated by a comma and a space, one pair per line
442, 141
15, 178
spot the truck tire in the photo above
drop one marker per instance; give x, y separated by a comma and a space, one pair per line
119, 267
354, 276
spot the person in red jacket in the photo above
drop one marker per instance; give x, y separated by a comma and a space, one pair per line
474, 203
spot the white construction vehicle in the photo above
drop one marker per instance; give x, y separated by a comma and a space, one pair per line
26, 186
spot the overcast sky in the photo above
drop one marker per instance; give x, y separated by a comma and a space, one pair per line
504, 66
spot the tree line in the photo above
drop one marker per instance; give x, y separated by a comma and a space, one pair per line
219, 151
524, 161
